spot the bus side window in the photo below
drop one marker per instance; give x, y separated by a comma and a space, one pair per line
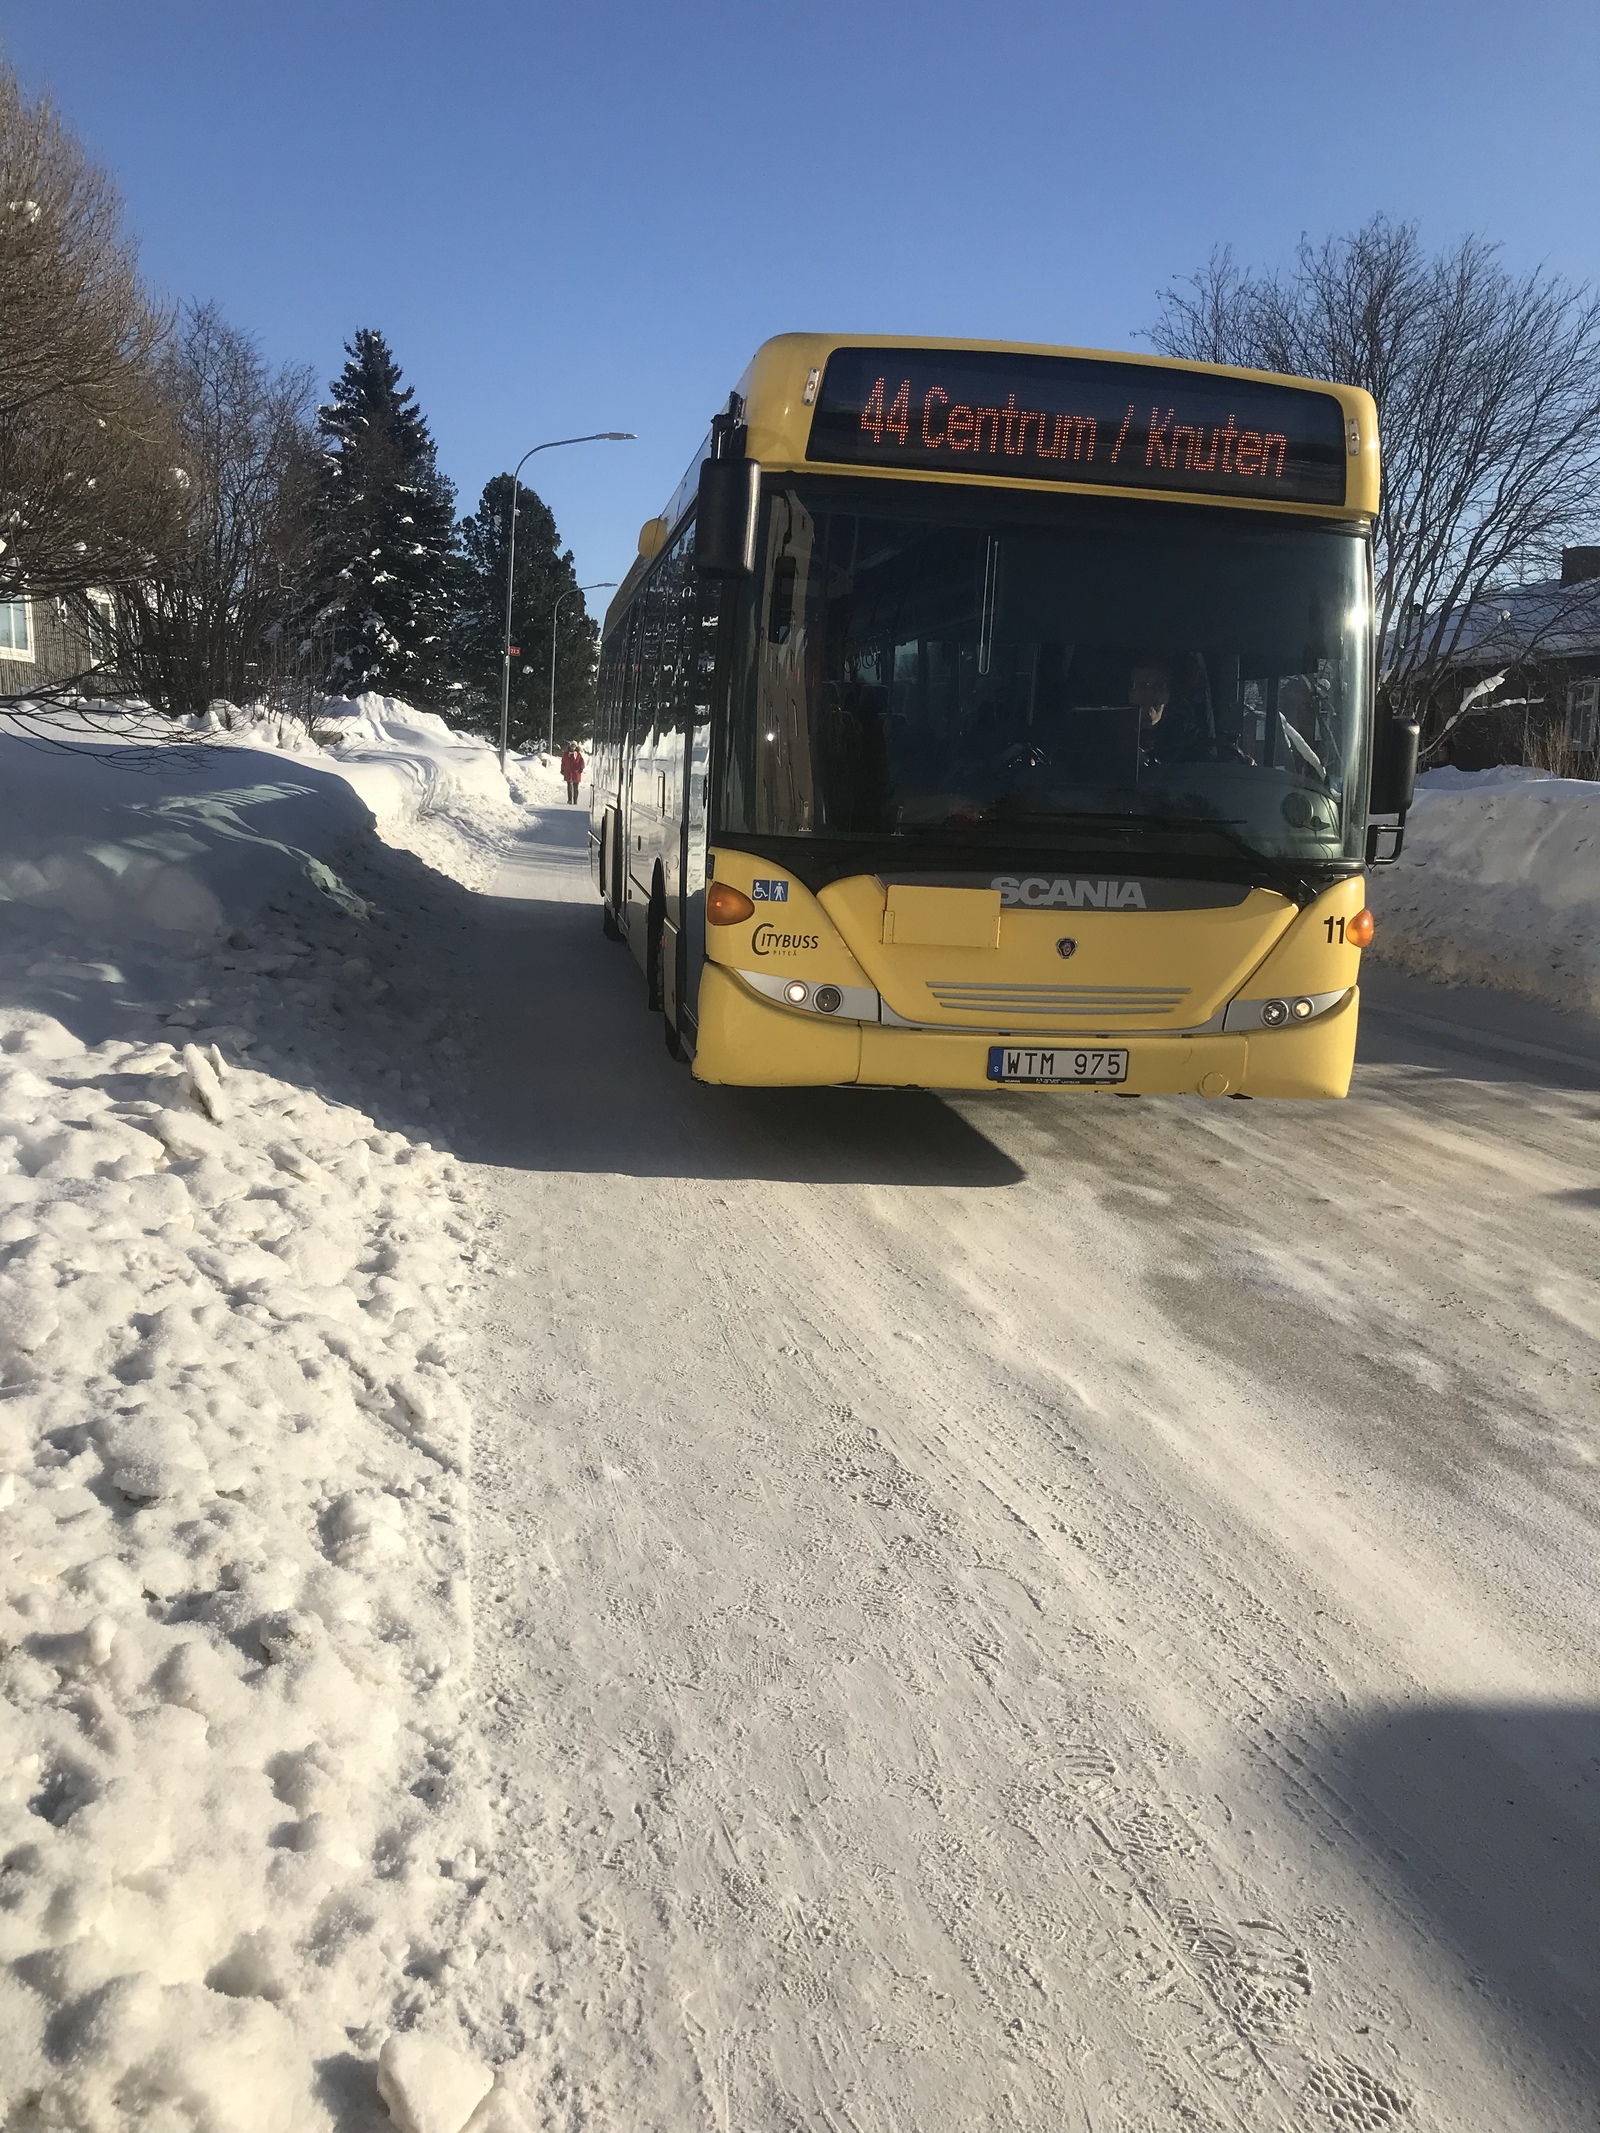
653, 607
628, 707
685, 622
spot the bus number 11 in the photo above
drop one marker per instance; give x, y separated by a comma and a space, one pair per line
1329, 924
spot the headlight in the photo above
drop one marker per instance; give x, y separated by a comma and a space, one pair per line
1282, 1014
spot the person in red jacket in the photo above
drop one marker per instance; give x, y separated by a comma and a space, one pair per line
572, 771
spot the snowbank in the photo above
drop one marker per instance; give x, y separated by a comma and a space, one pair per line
1499, 885
405, 762
239, 1841
124, 838
173, 840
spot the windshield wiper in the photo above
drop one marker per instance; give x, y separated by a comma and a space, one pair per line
1123, 827
1180, 826
1165, 835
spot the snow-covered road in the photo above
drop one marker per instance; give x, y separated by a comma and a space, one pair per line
1033, 1613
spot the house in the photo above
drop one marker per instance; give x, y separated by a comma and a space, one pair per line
50, 641
1533, 651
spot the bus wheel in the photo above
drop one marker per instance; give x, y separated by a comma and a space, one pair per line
608, 924
655, 928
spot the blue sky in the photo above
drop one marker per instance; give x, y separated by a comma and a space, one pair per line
584, 217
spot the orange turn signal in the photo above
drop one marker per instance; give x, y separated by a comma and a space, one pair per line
727, 906
1358, 931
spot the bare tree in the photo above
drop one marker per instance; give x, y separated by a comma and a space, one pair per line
209, 622
1487, 385
91, 489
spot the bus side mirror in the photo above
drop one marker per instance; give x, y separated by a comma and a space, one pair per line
1394, 764
1394, 785
725, 518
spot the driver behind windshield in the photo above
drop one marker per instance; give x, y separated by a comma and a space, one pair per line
1172, 728
1025, 737
1150, 690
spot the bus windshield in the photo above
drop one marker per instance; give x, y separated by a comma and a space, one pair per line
955, 664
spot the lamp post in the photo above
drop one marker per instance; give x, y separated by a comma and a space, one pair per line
551, 445
555, 615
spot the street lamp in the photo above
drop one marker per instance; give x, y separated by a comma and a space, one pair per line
553, 444
599, 585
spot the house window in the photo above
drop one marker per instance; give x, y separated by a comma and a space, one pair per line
1583, 712
98, 614
16, 629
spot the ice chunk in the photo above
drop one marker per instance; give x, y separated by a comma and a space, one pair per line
204, 1084
106, 1580
26, 1319
364, 1525
150, 1458
22, 1095
197, 1678
185, 1136
430, 2086
41, 1037
288, 1157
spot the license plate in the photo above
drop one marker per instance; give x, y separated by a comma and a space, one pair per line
1013, 1062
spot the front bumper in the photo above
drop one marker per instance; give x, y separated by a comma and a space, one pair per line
751, 1042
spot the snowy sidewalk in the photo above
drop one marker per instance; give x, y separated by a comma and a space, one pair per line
546, 859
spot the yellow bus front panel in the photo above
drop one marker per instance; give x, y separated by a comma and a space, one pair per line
1254, 997
752, 1042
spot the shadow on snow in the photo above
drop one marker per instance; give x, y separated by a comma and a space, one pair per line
1487, 1820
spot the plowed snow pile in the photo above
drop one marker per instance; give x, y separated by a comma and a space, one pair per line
1499, 885
234, 1851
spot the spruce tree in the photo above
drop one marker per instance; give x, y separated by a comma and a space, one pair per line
545, 574
385, 576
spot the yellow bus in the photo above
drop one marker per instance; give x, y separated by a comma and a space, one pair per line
980, 715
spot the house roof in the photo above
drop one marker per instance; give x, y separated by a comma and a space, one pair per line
1550, 620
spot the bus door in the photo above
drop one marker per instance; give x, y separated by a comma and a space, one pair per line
656, 787
701, 610
616, 837
607, 770
673, 624
643, 780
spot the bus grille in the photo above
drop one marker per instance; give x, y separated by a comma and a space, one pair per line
990, 1000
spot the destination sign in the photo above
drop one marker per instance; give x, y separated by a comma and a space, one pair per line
1067, 418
